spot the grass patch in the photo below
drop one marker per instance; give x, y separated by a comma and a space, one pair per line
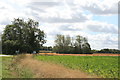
6, 72
12, 69
104, 66
0, 67
24, 73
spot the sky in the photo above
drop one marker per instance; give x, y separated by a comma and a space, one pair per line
97, 20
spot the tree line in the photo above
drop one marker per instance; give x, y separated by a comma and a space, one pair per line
26, 37
113, 51
71, 45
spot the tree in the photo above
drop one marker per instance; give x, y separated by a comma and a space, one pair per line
78, 44
67, 44
59, 44
62, 44
46, 48
86, 48
24, 36
81, 45
109, 51
0, 45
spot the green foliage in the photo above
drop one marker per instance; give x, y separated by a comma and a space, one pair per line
94, 51
46, 48
22, 36
112, 51
104, 66
109, 51
69, 45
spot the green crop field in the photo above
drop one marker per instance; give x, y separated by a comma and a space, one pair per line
103, 66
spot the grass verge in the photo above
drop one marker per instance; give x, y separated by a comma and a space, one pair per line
12, 69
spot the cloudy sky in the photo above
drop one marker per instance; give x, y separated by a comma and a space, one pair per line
95, 19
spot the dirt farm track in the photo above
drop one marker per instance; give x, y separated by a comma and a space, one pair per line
95, 54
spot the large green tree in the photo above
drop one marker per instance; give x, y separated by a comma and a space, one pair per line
22, 36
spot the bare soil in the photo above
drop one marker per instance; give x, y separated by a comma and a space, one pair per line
42, 69
95, 54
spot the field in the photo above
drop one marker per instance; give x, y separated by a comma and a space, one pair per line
20, 67
59, 66
103, 66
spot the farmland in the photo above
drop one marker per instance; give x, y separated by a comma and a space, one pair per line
20, 67
103, 66
59, 66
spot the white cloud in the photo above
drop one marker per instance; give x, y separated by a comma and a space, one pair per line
104, 27
104, 40
99, 7
2, 28
60, 13
91, 26
66, 17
